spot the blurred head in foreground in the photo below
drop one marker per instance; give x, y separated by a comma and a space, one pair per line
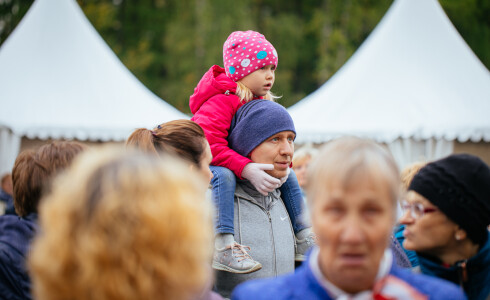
123, 225
352, 190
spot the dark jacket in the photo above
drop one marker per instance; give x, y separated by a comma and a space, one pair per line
15, 237
477, 284
302, 284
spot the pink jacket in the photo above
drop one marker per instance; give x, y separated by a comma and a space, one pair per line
214, 104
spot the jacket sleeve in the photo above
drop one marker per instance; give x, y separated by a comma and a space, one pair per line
10, 280
214, 116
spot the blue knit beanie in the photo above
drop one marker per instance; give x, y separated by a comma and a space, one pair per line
255, 122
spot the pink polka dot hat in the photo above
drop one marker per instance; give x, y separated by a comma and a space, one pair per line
245, 52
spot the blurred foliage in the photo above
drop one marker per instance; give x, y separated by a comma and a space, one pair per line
169, 44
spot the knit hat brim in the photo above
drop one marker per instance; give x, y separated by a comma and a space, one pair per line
255, 122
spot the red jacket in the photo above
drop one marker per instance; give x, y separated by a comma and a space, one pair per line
214, 104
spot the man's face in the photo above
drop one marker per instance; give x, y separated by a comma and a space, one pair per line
277, 150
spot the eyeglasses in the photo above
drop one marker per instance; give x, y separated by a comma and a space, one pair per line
417, 210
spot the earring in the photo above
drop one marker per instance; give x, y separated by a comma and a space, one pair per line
458, 237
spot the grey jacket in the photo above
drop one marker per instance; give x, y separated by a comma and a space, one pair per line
263, 224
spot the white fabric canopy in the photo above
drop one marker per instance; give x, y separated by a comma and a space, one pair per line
59, 79
413, 80
9, 147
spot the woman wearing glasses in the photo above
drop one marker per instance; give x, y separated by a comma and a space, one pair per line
447, 211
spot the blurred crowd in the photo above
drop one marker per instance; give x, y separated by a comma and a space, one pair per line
137, 223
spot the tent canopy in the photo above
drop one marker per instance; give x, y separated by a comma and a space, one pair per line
413, 78
59, 79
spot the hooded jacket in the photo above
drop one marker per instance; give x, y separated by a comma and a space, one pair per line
214, 104
477, 283
15, 237
263, 224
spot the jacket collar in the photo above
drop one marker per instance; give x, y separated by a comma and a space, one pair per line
246, 190
214, 82
475, 264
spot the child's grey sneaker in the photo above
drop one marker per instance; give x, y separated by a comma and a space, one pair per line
302, 246
235, 259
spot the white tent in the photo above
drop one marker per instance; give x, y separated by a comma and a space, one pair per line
414, 84
59, 79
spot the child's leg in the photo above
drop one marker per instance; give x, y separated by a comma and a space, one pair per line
293, 199
228, 256
223, 194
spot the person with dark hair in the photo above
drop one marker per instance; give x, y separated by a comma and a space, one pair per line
183, 138
31, 176
353, 188
447, 211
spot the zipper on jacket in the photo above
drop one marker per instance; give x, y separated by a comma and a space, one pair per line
271, 231
462, 271
273, 243
272, 237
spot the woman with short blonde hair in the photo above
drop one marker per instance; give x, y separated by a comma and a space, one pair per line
301, 161
123, 226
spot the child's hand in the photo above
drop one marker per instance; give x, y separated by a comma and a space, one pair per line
263, 182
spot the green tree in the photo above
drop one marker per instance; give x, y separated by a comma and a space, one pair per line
169, 44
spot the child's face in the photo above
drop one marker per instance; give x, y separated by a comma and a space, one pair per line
260, 81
